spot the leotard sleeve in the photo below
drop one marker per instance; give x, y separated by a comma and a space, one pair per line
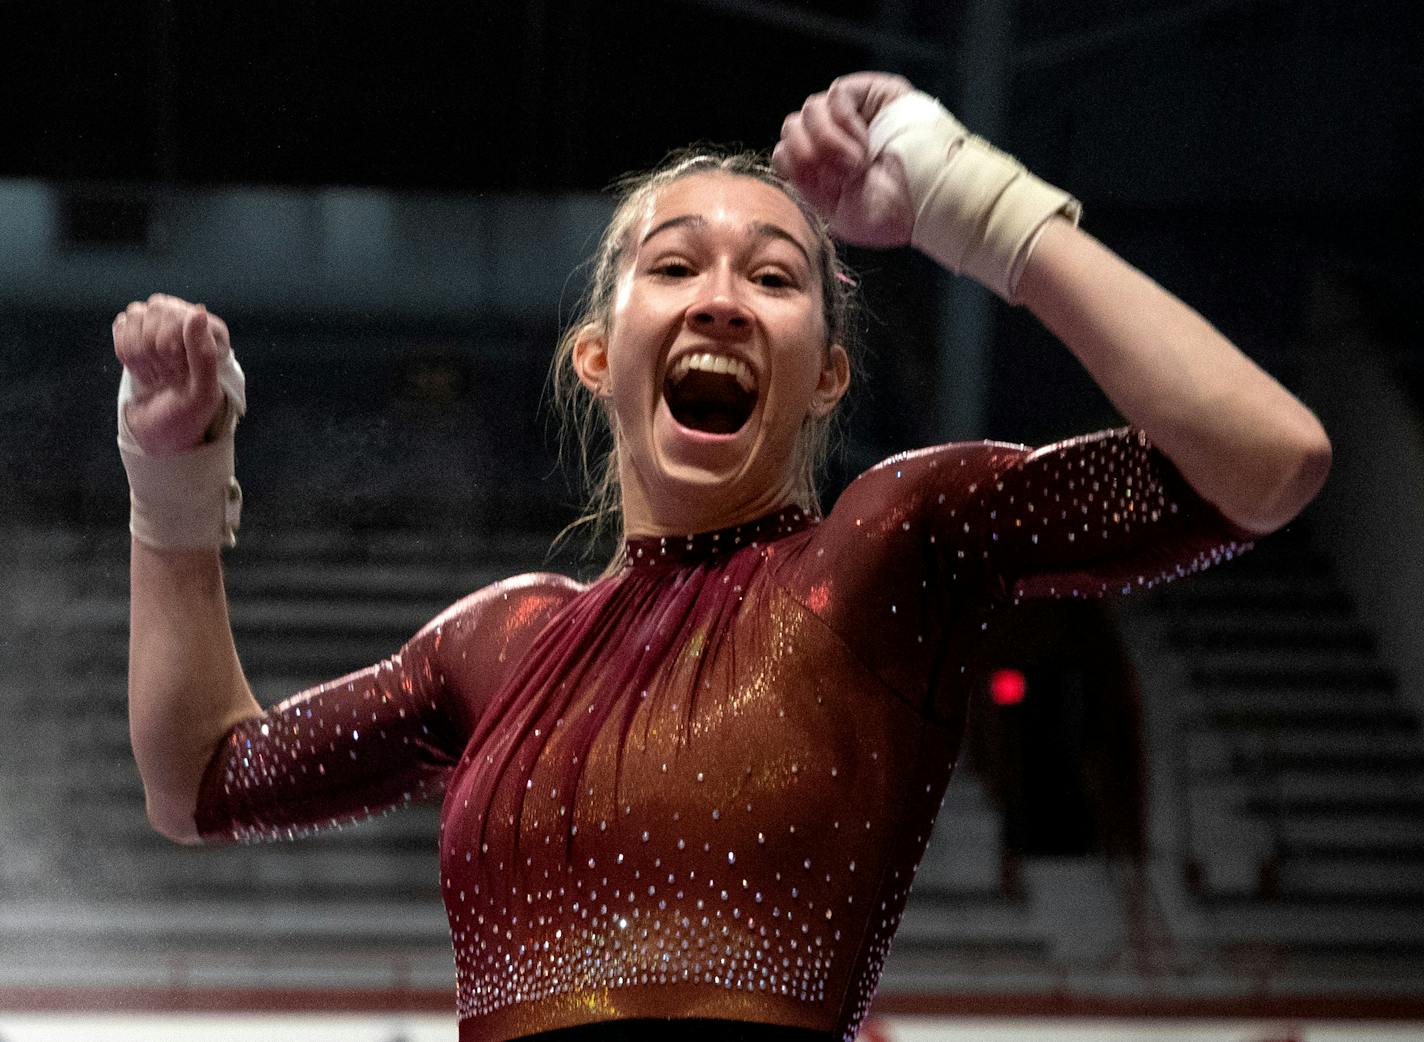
379, 738
921, 546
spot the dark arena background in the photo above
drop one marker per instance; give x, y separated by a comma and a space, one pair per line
1193, 814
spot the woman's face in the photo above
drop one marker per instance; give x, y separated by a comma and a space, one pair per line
714, 355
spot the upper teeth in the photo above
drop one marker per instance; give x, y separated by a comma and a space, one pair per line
707, 362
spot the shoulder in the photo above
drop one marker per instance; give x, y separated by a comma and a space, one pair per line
959, 469
528, 599
472, 645
902, 481
957, 452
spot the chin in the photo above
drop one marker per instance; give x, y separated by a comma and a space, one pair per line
701, 480
684, 454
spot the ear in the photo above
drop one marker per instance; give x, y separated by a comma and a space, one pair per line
834, 380
590, 360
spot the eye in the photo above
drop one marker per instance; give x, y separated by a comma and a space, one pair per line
672, 269
772, 278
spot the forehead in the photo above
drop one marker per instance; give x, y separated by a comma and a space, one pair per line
729, 201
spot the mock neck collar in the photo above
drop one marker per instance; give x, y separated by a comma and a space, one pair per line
653, 551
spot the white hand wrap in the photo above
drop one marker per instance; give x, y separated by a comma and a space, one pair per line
977, 211
191, 500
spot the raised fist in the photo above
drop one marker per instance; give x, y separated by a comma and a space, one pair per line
824, 151
172, 350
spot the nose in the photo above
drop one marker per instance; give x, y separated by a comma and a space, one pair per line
720, 312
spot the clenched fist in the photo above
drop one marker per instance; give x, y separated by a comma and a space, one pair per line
171, 350
825, 151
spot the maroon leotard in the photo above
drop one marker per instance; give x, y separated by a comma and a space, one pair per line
699, 788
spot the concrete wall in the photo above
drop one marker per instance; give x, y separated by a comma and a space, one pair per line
314, 251
1370, 517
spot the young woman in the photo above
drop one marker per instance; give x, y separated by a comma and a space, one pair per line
698, 787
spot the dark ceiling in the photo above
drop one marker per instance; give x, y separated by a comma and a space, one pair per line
553, 96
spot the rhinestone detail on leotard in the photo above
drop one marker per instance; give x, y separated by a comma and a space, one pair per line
701, 787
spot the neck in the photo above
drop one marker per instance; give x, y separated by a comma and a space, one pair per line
700, 510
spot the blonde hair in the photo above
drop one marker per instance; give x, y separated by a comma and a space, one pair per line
587, 424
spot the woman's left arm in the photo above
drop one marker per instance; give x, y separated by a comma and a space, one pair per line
1239, 438
889, 166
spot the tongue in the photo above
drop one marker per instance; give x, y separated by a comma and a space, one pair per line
711, 402
711, 418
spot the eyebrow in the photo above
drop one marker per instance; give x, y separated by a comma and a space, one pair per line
761, 229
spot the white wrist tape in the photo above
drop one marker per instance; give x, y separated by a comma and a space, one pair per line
977, 210
191, 500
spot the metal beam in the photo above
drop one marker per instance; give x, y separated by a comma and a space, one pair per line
978, 84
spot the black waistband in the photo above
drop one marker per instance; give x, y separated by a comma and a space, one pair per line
683, 1030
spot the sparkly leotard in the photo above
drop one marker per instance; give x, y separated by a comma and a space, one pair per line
699, 788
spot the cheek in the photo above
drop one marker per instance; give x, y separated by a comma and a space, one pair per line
812, 335
637, 319
806, 360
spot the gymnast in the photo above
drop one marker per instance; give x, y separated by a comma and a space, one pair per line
697, 788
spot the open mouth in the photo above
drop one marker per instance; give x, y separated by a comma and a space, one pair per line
710, 392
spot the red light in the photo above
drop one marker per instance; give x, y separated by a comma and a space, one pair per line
1007, 687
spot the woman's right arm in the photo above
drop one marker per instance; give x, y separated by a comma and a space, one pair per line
214, 764
186, 688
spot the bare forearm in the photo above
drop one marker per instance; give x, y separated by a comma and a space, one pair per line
1237, 436
186, 687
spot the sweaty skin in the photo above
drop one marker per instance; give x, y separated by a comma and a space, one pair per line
703, 784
